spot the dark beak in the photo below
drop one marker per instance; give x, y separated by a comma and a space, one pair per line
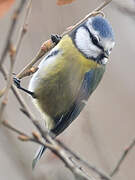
106, 53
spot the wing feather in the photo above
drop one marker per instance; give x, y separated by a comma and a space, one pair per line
90, 82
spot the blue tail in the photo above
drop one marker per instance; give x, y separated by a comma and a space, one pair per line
38, 155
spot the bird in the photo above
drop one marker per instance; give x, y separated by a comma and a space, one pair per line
69, 74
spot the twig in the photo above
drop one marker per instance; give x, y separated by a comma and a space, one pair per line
13, 52
17, 93
23, 29
9, 82
93, 13
48, 137
56, 148
48, 45
2, 92
7, 125
122, 158
101, 174
16, 14
43, 133
50, 142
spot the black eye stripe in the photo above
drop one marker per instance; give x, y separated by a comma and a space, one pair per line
93, 38
73, 37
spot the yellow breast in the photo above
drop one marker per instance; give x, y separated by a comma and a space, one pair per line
60, 78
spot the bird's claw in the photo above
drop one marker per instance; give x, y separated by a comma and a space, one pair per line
17, 82
55, 38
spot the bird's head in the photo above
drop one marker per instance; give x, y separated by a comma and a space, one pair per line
94, 39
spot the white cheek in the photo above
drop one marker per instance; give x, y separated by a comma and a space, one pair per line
84, 43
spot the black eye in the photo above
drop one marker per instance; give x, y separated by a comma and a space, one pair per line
95, 40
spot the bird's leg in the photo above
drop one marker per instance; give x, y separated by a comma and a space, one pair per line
55, 38
17, 82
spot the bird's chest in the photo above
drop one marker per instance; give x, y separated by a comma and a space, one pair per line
61, 82
61, 77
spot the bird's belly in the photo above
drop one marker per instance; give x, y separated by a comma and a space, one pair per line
56, 90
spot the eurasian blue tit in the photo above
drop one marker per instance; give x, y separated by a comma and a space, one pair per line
70, 73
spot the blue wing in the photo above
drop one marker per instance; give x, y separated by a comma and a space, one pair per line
90, 82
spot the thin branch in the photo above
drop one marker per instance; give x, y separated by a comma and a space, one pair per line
93, 13
52, 144
2, 92
9, 83
48, 45
14, 21
13, 52
101, 174
43, 133
17, 93
56, 148
23, 30
24, 27
122, 158
48, 137
7, 125
103, 5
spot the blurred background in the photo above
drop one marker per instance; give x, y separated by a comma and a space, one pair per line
107, 124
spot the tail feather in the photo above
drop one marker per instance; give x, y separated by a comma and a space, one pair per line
38, 155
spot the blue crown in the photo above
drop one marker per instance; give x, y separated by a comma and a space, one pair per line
103, 27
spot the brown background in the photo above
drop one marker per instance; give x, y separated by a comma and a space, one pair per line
104, 128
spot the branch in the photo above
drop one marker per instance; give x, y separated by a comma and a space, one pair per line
48, 45
15, 90
56, 148
101, 174
13, 52
16, 15
93, 13
9, 83
75, 169
122, 158
43, 133
24, 27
